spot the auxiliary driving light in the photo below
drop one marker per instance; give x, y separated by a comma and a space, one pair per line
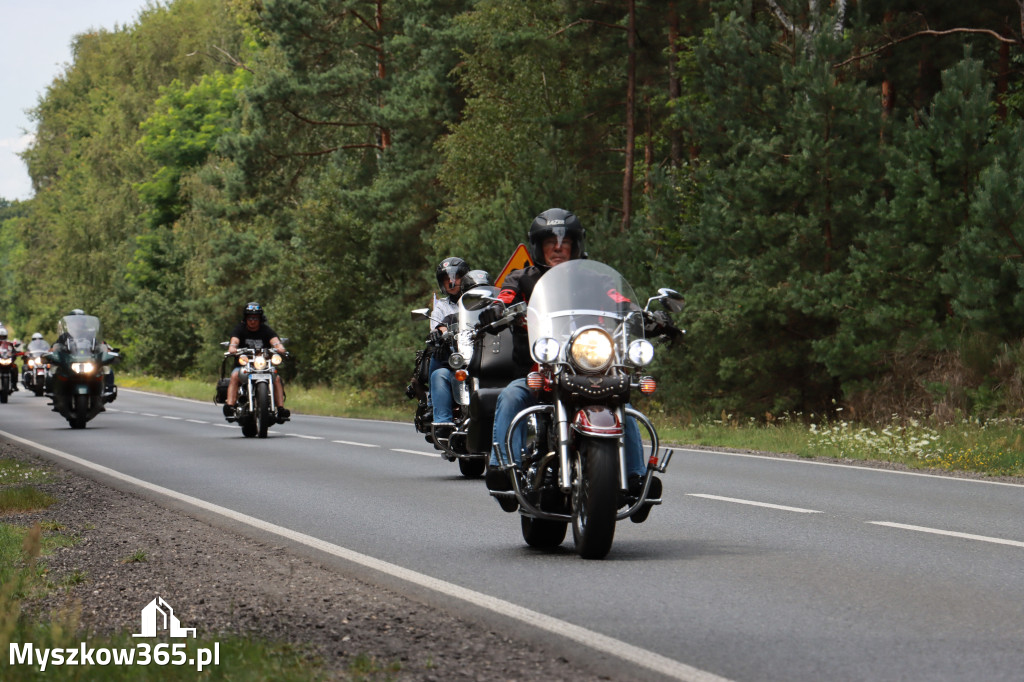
641, 352
545, 350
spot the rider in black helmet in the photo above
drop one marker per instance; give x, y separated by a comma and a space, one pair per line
556, 236
254, 331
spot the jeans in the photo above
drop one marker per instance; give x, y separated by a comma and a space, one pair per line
442, 387
517, 397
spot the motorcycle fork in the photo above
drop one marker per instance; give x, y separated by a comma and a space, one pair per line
564, 445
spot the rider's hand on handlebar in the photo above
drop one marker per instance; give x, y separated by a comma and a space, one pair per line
436, 336
491, 314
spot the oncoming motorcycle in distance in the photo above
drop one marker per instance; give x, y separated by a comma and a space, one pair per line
587, 336
256, 406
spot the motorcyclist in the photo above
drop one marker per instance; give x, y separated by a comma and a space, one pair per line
556, 236
448, 273
12, 368
253, 332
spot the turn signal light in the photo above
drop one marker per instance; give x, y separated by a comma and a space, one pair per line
535, 381
461, 375
648, 385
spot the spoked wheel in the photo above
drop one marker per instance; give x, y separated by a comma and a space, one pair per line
262, 410
595, 489
79, 411
543, 533
472, 468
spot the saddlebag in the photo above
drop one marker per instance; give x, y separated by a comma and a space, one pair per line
222, 391
613, 389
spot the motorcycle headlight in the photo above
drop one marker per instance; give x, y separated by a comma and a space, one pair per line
275, 360
259, 362
83, 367
5, 361
591, 350
545, 350
641, 352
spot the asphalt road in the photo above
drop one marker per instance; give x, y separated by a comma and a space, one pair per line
754, 568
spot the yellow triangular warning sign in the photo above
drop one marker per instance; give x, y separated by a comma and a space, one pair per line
519, 260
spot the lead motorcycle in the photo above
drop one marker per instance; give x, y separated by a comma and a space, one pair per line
256, 405
483, 365
587, 336
77, 361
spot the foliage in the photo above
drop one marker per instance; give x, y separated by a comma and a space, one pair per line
835, 247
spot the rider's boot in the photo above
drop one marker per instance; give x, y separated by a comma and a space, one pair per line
636, 485
229, 412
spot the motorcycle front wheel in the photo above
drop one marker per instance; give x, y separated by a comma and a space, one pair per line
595, 494
472, 468
79, 411
543, 533
262, 410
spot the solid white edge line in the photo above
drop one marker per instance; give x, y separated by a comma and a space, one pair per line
949, 533
416, 452
627, 652
753, 503
852, 465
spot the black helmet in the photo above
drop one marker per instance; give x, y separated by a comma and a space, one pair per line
451, 268
559, 223
474, 278
254, 308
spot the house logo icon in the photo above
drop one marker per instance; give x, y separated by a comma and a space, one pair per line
158, 616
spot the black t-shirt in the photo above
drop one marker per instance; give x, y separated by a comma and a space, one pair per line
258, 339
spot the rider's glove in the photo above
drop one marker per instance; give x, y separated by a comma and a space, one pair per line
436, 336
491, 314
659, 324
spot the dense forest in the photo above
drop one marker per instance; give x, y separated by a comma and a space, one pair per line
836, 187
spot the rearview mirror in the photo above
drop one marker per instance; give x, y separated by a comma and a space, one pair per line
477, 300
420, 314
671, 299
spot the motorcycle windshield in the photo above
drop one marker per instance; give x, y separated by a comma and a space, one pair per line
37, 346
583, 293
80, 334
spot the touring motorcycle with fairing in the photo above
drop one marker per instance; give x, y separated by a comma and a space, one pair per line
77, 361
587, 336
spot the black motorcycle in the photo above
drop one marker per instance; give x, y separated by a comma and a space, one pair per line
483, 365
77, 361
256, 405
8, 368
587, 335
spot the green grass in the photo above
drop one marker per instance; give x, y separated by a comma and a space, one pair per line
992, 447
13, 472
137, 557
23, 498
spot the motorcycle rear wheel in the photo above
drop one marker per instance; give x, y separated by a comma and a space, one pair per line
595, 496
543, 533
262, 410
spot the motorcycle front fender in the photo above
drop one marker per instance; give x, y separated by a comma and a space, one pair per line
598, 421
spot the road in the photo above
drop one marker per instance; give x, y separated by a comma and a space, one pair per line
755, 568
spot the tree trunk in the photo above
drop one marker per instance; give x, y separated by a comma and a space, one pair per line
627, 177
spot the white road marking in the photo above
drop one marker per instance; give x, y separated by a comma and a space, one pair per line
416, 452
167, 416
755, 504
197, 421
299, 435
147, 414
949, 533
362, 445
595, 640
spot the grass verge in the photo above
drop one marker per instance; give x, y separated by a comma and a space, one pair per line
24, 636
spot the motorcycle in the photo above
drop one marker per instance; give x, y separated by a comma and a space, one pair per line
77, 362
36, 371
8, 369
483, 366
256, 406
587, 336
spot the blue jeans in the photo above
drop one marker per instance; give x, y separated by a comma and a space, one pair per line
517, 397
442, 387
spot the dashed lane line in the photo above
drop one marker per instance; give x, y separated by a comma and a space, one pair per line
949, 533
362, 445
415, 452
754, 504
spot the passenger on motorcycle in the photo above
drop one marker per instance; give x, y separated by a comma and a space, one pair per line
448, 273
556, 236
253, 332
